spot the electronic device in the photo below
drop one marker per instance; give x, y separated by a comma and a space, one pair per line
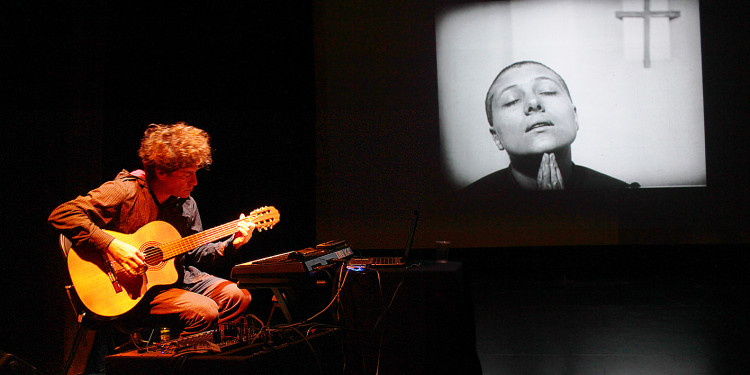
290, 267
385, 261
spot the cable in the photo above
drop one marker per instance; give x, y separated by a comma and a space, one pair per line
312, 349
380, 351
385, 311
380, 287
177, 362
393, 297
334, 299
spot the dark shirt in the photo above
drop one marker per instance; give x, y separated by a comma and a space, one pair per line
124, 205
502, 187
582, 178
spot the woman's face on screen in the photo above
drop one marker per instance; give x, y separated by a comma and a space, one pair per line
531, 111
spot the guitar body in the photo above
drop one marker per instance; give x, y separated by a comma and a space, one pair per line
91, 274
109, 292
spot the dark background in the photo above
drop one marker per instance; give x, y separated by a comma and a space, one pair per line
81, 82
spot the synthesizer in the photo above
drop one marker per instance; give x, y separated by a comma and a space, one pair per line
290, 267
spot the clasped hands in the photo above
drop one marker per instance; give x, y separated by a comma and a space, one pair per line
549, 176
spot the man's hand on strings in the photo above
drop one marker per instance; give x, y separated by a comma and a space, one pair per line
549, 176
244, 232
132, 260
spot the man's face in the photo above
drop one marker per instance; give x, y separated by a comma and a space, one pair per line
179, 183
532, 112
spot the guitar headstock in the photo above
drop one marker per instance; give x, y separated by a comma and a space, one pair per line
264, 217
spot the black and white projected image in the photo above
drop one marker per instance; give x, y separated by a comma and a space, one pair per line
610, 97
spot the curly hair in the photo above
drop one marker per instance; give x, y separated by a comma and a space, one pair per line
172, 147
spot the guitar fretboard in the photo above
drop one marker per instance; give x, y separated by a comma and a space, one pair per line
193, 241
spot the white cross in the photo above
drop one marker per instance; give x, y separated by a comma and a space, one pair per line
646, 14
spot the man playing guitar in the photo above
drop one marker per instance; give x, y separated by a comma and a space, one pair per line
195, 301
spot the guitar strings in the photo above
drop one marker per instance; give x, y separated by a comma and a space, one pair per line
192, 241
182, 245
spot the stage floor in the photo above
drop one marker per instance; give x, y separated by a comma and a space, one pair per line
611, 326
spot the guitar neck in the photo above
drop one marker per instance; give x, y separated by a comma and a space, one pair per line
193, 241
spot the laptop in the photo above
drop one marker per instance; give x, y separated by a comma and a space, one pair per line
386, 261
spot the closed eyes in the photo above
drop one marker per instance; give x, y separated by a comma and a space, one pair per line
511, 103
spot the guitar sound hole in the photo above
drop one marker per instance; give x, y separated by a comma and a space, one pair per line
153, 255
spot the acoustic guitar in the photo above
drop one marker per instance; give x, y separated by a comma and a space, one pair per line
109, 292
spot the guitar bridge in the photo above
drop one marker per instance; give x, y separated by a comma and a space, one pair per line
113, 278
